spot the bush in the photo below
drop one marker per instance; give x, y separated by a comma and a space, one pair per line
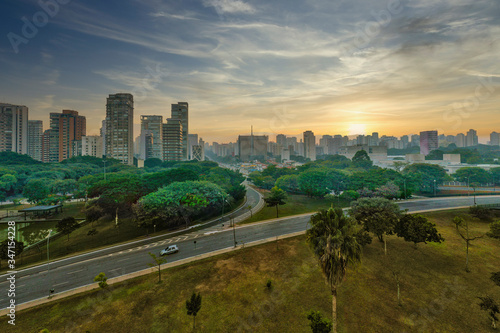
484, 214
494, 230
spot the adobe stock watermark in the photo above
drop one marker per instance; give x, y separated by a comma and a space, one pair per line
371, 29
484, 89
40, 19
149, 83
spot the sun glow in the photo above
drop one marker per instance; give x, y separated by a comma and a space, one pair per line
357, 129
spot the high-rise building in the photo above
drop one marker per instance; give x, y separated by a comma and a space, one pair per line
120, 127
252, 147
46, 146
495, 139
181, 111
172, 140
199, 151
428, 142
92, 146
460, 140
471, 139
193, 141
65, 128
14, 128
35, 133
103, 136
309, 145
151, 143
281, 140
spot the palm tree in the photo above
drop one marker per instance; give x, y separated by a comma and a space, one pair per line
333, 237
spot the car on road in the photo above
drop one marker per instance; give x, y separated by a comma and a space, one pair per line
169, 250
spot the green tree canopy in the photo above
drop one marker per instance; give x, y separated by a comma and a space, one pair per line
67, 225
362, 160
427, 173
276, 198
417, 228
473, 175
37, 189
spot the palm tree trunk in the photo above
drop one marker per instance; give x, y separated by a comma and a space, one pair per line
385, 245
334, 308
276, 211
194, 323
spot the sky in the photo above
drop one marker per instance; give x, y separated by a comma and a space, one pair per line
284, 66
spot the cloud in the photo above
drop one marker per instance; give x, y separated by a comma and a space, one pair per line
230, 6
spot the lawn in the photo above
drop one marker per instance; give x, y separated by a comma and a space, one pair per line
233, 290
295, 204
437, 294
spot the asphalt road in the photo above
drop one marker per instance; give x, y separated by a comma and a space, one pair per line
34, 283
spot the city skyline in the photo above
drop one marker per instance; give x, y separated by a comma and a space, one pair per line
347, 67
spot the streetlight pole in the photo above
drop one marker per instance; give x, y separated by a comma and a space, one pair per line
48, 260
234, 234
404, 182
434, 187
468, 186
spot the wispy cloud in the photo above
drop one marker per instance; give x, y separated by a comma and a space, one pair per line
230, 6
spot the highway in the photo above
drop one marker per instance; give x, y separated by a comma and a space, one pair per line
66, 274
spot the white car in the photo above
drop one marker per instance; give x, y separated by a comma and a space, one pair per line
169, 250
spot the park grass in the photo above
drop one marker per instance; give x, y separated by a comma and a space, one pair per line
233, 290
295, 204
437, 294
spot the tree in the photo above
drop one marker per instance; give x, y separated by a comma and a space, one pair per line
417, 228
36, 190
473, 175
157, 262
101, 278
67, 225
312, 183
277, 198
318, 323
426, 174
289, 183
494, 230
362, 160
92, 232
193, 306
462, 227
333, 237
488, 304
495, 277
377, 215
152, 162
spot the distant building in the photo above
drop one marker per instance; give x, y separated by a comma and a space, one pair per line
460, 140
14, 128
35, 134
120, 127
46, 146
180, 111
495, 139
251, 147
103, 136
192, 141
471, 139
65, 128
428, 142
376, 153
198, 151
151, 145
309, 145
92, 146
285, 155
173, 140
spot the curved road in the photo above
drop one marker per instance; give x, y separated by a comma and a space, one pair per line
34, 283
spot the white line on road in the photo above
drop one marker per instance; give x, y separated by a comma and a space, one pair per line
122, 259
60, 284
80, 270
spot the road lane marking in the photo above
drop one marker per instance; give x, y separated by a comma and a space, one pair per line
60, 284
80, 270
